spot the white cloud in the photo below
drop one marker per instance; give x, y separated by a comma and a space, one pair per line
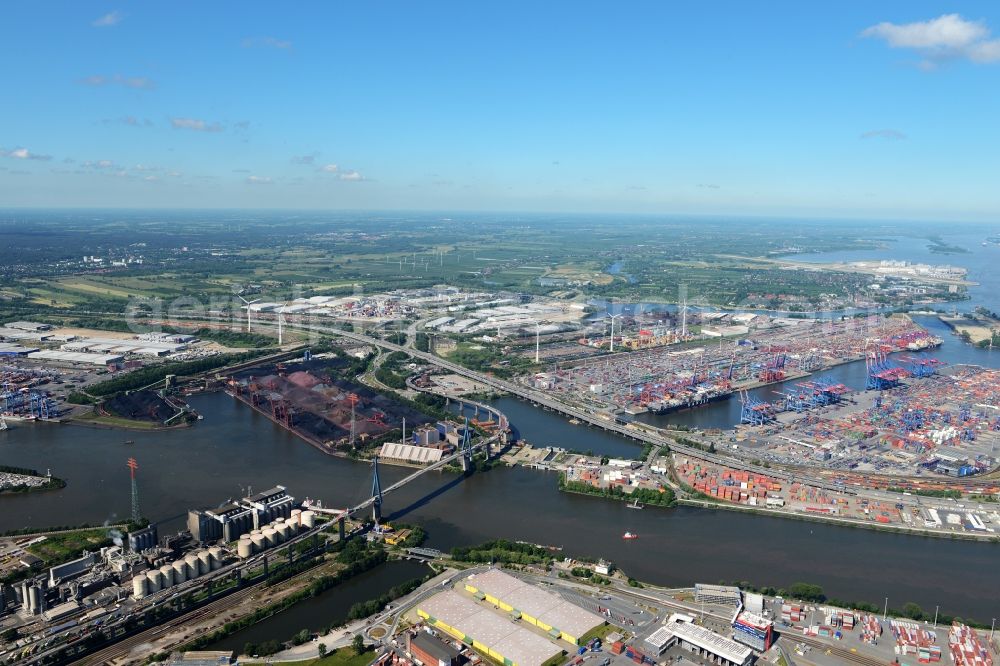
131, 121
305, 159
136, 82
108, 20
23, 154
891, 134
266, 42
151, 179
100, 164
352, 176
946, 37
330, 168
195, 124
259, 180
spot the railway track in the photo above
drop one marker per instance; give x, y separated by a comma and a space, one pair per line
122, 648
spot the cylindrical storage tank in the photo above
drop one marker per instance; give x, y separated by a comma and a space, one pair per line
308, 519
279, 532
193, 565
296, 518
288, 530
155, 580
254, 533
259, 542
270, 537
180, 568
167, 572
140, 586
244, 548
216, 553
205, 558
34, 600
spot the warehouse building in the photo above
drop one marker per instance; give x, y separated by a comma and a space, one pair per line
488, 632
708, 645
724, 595
547, 611
7, 349
408, 453
31, 326
75, 358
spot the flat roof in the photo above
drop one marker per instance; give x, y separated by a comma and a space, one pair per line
536, 602
75, 357
711, 641
660, 637
497, 632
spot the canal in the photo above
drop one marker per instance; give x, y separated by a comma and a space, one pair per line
234, 449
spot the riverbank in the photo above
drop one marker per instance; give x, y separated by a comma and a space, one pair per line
25, 480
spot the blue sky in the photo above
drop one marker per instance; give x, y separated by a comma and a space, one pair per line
826, 109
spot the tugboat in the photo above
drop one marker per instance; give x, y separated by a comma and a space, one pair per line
629, 536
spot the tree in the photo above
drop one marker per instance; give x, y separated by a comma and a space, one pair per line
358, 643
322, 650
913, 611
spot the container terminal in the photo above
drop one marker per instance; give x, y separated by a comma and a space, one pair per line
665, 379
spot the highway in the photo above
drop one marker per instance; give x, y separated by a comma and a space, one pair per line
541, 399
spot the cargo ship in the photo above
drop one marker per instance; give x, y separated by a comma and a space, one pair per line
629, 536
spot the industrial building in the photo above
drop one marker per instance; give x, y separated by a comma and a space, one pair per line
75, 358
30, 326
724, 595
8, 349
144, 539
155, 347
708, 645
72, 569
431, 651
395, 452
486, 631
547, 611
234, 519
753, 630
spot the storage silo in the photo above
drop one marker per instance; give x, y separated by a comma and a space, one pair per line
155, 580
296, 518
244, 548
308, 519
270, 537
217, 556
193, 565
259, 542
205, 558
167, 572
180, 571
34, 600
140, 586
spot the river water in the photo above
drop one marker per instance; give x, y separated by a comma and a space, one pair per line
234, 448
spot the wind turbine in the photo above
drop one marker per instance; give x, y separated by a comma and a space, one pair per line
281, 319
612, 318
248, 304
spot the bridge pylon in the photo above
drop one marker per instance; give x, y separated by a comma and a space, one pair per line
466, 448
376, 493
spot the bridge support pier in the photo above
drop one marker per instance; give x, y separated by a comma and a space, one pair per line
466, 464
341, 528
